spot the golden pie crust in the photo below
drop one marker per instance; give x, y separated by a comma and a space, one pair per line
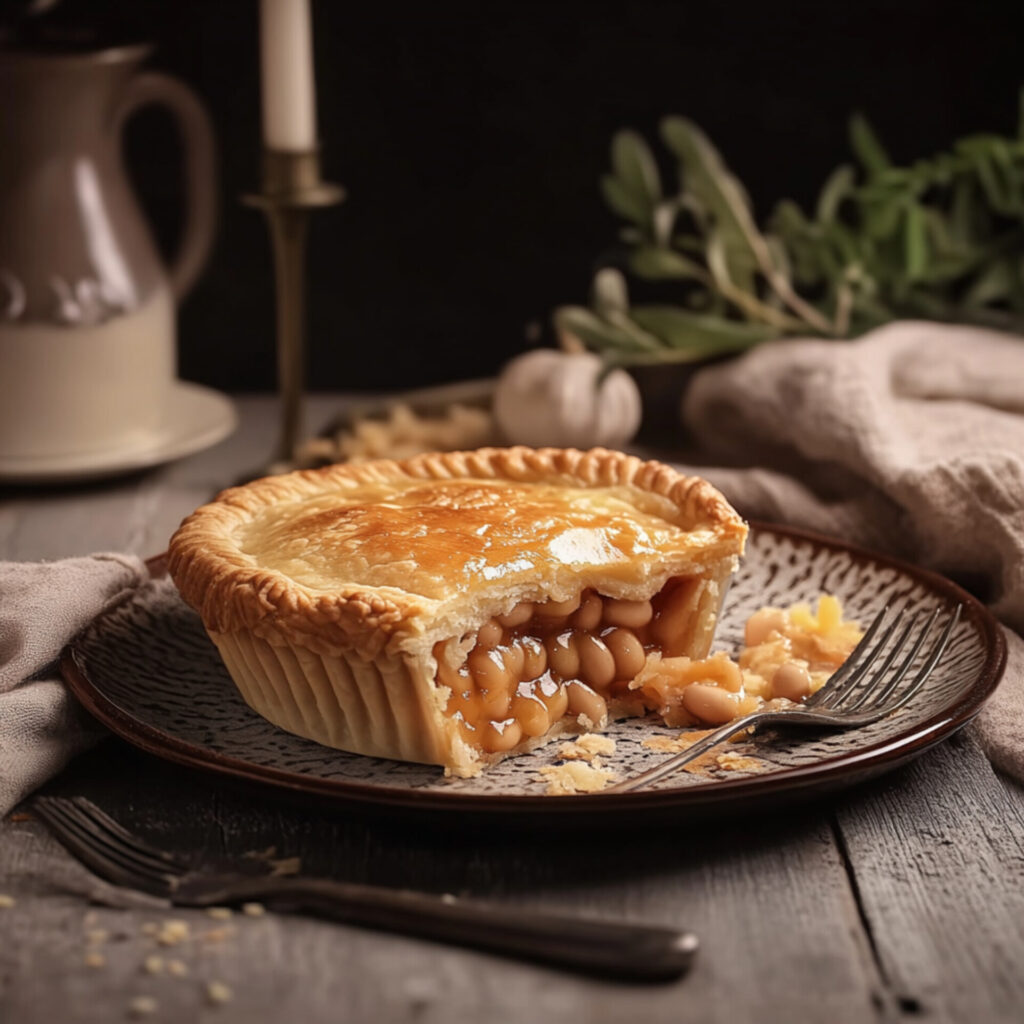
350, 602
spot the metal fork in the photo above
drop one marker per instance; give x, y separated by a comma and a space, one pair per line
867, 687
612, 949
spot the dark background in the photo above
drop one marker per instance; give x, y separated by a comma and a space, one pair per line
471, 137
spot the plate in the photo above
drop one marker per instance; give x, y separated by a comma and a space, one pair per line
147, 670
195, 418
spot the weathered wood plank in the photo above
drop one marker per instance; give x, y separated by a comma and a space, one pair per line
768, 897
938, 856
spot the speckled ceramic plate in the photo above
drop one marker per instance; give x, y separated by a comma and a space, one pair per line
147, 670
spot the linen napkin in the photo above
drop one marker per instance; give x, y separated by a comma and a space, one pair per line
42, 606
909, 440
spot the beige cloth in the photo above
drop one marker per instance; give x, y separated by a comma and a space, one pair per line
42, 606
909, 440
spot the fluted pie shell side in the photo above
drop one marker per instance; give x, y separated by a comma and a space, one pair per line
327, 592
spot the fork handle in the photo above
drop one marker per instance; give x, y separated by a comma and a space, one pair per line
616, 949
691, 753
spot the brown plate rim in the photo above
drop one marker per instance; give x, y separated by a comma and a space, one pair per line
842, 769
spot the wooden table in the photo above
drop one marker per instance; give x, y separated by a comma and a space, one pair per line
902, 900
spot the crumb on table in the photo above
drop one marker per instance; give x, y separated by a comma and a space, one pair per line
143, 1006
218, 993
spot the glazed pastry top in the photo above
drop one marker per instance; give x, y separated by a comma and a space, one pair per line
440, 538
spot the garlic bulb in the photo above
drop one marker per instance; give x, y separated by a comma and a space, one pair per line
549, 397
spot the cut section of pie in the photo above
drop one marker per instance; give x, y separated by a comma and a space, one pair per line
455, 608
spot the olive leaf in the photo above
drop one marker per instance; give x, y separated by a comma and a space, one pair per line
941, 238
664, 264
633, 189
915, 237
701, 335
600, 334
718, 194
839, 186
623, 202
866, 146
610, 293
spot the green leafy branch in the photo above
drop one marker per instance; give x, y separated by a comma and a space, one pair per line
940, 239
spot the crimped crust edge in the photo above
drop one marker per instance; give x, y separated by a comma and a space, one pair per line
231, 594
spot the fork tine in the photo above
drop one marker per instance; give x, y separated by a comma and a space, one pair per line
870, 687
853, 665
102, 855
883, 689
82, 843
138, 848
928, 667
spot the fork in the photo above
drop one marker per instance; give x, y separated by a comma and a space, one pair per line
589, 945
864, 689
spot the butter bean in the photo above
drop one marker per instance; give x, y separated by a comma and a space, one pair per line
791, 681
597, 664
519, 615
762, 624
535, 658
710, 703
562, 655
488, 668
672, 626
490, 635
557, 609
588, 616
627, 651
631, 614
514, 658
501, 735
556, 701
532, 714
582, 700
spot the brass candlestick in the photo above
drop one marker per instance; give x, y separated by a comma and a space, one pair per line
291, 189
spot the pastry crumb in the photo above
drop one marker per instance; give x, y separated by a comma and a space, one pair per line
575, 777
285, 866
219, 934
177, 968
97, 936
253, 909
6, 901
587, 747
685, 740
266, 853
172, 932
153, 965
219, 913
94, 959
673, 745
143, 1006
217, 993
735, 762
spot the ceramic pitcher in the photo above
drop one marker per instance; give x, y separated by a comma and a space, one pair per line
87, 308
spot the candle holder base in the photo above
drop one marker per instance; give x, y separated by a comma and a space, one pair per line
292, 178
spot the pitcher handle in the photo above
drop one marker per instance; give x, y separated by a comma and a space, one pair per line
199, 168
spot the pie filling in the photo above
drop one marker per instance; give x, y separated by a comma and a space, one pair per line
540, 662
787, 654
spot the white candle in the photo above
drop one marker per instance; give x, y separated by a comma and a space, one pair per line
289, 97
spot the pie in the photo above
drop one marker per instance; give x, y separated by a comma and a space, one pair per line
455, 608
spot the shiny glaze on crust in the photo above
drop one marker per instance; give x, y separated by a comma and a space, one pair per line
442, 537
